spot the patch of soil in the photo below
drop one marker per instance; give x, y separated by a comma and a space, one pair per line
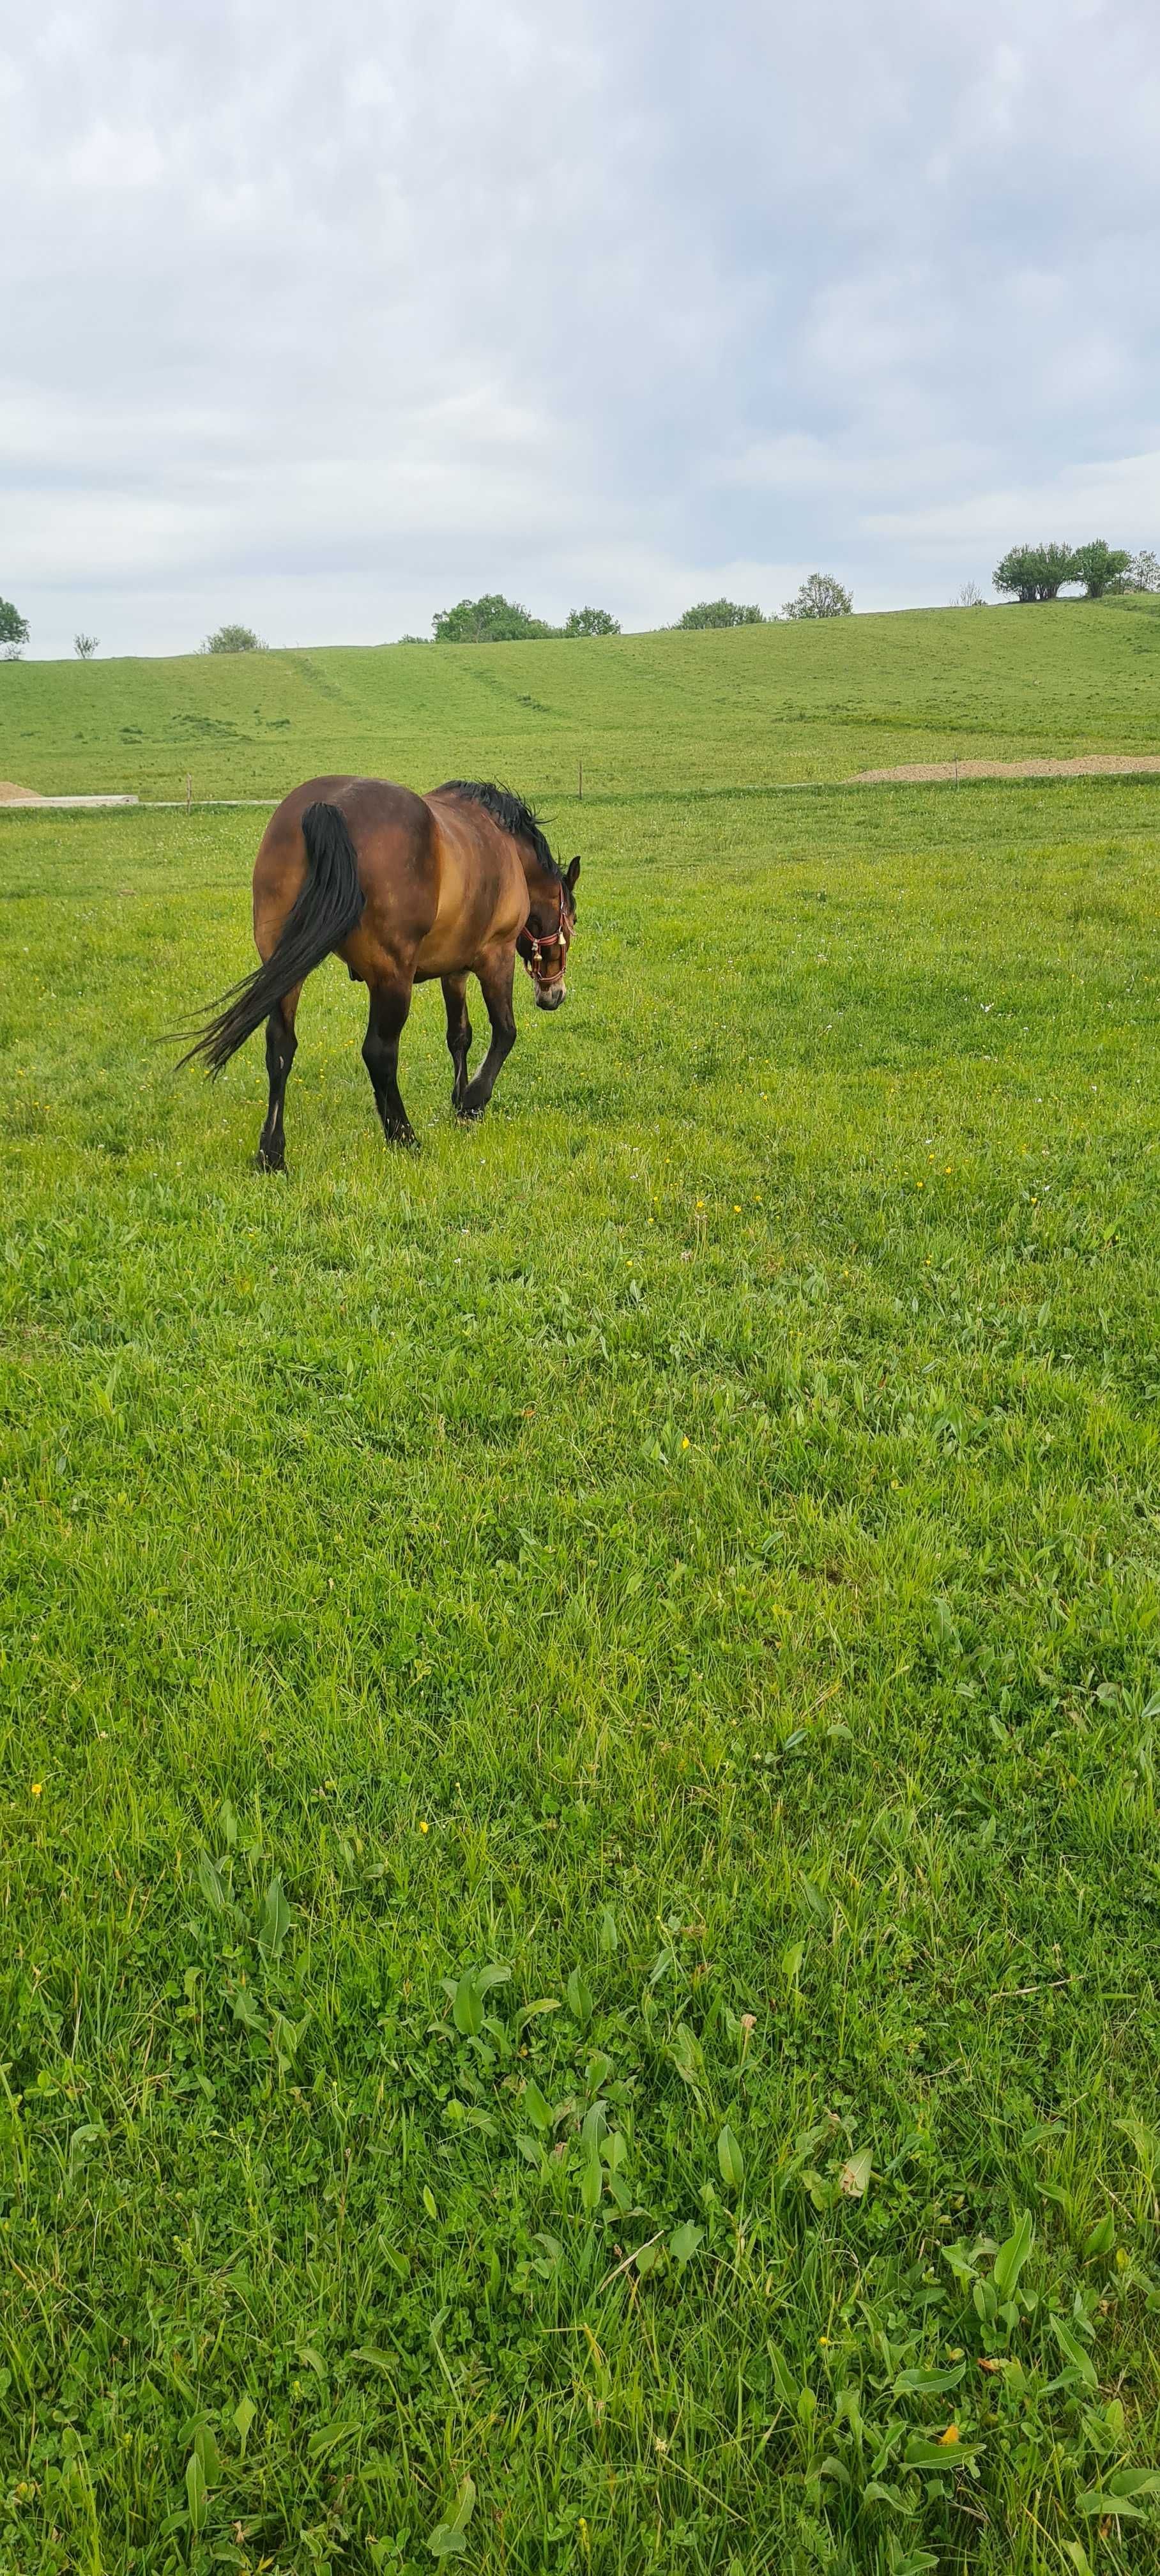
21, 797
1089, 764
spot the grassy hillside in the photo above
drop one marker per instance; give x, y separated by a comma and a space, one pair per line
689, 1547
753, 706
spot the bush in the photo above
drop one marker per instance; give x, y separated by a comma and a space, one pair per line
1100, 566
591, 621
491, 619
414, 639
970, 596
720, 612
1035, 572
13, 631
820, 596
234, 639
84, 646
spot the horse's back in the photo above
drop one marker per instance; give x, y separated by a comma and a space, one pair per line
438, 876
393, 839
368, 806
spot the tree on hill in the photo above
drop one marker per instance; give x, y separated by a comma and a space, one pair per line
1100, 565
720, 612
233, 639
820, 596
491, 619
1036, 572
84, 646
1143, 572
590, 621
13, 631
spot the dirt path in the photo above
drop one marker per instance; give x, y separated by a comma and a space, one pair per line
10, 795
1088, 764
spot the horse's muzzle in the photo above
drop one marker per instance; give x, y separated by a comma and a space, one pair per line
550, 996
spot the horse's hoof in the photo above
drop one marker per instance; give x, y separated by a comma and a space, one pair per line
406, 1140
266, 1163
467, 1117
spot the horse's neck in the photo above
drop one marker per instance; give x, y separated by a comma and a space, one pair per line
541, 887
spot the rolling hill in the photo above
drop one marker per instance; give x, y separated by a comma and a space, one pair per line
751, 706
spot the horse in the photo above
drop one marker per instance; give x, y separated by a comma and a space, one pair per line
403, 888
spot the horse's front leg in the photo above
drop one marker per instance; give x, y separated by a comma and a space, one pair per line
390, 1003
495, 968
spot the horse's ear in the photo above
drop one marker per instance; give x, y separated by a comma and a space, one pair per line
570, 875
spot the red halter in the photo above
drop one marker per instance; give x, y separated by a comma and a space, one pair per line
532, 956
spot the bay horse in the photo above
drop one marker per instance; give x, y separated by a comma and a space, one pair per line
403, 888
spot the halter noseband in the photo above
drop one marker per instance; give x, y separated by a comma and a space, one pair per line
532, 956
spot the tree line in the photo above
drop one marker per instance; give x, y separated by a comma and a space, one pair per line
820, 596
1041, 572
1025, 573
493, 619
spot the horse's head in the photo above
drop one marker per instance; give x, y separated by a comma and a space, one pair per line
544, 941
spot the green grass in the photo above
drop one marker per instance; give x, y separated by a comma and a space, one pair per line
688, 1545
750, 707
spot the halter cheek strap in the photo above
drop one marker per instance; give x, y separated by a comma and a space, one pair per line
532, 957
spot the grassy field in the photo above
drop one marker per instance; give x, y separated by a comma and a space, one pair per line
644, 713
579, 1867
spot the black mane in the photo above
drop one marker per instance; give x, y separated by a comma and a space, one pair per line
510, 812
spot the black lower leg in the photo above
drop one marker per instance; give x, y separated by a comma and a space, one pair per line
281, 1048
496, 976
458, 1034
390, 1004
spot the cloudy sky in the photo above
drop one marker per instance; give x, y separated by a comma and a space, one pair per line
323, 317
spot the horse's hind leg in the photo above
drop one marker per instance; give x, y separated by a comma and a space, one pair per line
281, 1048
390, 1004
458, 1033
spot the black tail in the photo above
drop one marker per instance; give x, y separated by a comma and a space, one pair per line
327, 910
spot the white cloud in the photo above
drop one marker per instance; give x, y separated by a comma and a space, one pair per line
1072, 505
114, 157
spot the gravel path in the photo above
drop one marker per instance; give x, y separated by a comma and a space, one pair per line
1088, 764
